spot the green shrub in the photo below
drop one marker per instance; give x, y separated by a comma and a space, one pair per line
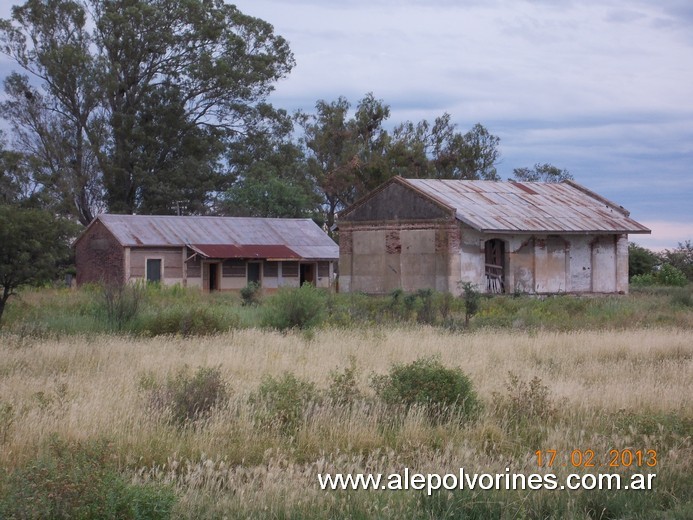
250, 294
290, 308
196, 320
671, 276
472, 301
344, 390
281, 402
427, 383
640, 260
184, 398
667, 275
80, 481
644, 280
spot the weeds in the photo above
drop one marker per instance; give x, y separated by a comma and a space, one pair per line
185, 398
250, 294
525, 410
122, 302
80, 480
344, 390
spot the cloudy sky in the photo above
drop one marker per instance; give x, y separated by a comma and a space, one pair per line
602, 88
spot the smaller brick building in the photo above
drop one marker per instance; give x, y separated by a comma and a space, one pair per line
213, 253
500, 236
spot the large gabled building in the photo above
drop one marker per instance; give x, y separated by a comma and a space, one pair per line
213, 253
499, 236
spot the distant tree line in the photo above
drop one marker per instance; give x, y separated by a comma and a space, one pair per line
668, 267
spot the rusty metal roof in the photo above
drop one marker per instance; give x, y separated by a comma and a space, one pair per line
270, 252
303, 237
528, 207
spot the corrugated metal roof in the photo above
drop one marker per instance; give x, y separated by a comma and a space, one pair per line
302, 236
564, 207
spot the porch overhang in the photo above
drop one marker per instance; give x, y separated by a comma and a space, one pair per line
271, 252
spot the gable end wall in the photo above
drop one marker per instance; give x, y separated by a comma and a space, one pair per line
99, 258
396, 202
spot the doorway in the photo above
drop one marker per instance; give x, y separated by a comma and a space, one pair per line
254, 273
213, 277
307, 274
495, 265
154, 270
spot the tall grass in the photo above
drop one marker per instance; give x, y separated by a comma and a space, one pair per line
595, 390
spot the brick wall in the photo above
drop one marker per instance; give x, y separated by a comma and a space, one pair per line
99, 257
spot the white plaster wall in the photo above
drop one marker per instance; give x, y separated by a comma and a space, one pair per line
580, 263
604, 264
472, 268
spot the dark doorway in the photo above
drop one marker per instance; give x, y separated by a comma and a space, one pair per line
254, 272
154, 270
213, 277
307, 274
495, 266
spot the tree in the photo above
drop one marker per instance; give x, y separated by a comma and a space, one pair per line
640, 260
271, 174
337, 149
270, 196
541, 173
680, 257
32, 245
139, 97
350, 156
439, 151
64, 168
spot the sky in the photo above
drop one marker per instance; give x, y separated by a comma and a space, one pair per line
602, 88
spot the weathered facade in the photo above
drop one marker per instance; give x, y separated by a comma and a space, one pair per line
500, 236
213, 253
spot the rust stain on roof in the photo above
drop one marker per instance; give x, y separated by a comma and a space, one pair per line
287, 238
528, 207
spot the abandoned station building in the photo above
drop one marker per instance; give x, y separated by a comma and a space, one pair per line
213, 253
499, 236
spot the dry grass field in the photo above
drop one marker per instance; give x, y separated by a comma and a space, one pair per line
598, 390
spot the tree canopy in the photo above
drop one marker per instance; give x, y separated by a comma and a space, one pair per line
139, 98
541, 173
33, 243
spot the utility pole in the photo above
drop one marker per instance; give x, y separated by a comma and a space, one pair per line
178, 204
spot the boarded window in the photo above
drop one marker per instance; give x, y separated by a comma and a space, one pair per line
271, 269
194, 267
323, 269
290, 269
154, 270
233, 268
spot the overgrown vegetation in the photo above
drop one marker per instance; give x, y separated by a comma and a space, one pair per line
140, 434
281, 402
158, 310
79, 480
186, 397
301, 308
275, 411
